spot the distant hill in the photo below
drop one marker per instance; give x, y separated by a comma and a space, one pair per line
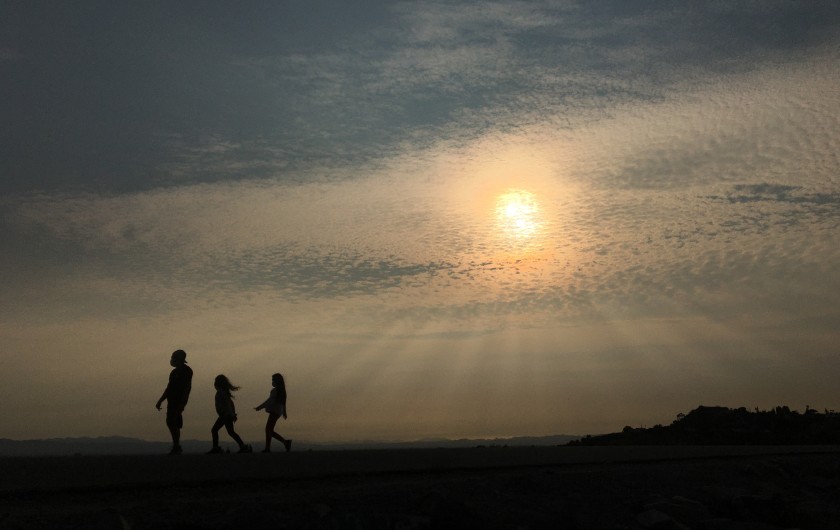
118, 445
725, 426
104, 445
520, 441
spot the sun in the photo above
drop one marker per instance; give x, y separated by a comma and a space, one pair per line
518, 214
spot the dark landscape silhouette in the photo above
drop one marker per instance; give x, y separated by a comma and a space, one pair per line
120, 445
725, 426
702, 426
713, 468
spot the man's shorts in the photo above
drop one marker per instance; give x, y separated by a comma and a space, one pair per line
174, 418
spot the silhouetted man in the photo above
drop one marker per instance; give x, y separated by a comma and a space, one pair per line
176, 395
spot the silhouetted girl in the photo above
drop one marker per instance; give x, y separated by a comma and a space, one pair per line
275, 406
227, 414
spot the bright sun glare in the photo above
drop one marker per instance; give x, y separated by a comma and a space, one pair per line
518, 214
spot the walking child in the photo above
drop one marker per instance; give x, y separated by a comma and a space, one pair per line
275, 406
227, 414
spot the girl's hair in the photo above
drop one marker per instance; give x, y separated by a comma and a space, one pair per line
223, 383
281, 383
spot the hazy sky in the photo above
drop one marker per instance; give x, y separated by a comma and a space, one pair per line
435, 218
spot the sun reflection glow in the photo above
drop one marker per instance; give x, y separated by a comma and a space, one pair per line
518, 214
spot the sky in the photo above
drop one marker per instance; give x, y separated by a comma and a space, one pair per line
436, 219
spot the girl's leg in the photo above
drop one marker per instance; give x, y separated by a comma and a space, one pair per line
232, 433
286, 443
215, 431
269, 430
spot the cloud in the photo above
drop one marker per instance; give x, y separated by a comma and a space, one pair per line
646, 187
374, 80
9, 54
661, 205
748, 193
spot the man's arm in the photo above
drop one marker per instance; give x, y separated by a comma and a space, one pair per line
165, 395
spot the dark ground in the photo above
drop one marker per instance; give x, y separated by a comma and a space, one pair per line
551, 487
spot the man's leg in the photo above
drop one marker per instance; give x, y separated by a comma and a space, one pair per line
175, 421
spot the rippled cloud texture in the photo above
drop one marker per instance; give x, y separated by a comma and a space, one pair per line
437, 219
